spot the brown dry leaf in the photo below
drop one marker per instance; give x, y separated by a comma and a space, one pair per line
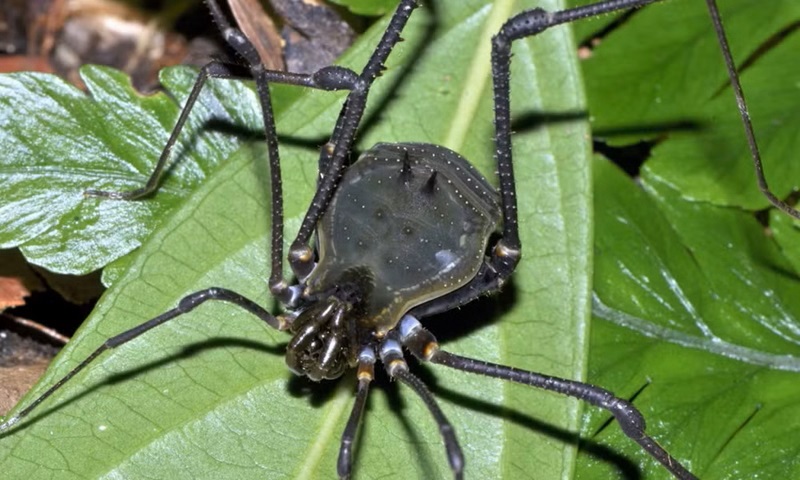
22, 361
16, 381
24, 63
112, 33
12, 292
259, 28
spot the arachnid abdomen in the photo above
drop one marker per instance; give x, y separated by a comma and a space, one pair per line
411, 222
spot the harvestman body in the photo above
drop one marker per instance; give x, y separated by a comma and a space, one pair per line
426, 195
361, 298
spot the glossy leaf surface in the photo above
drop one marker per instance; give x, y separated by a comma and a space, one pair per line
700, 303
662, 77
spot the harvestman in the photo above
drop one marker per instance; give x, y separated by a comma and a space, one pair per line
352, 304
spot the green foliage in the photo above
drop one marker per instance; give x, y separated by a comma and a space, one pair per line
681, 92
368, 7
704, 298
59, 142
697, 304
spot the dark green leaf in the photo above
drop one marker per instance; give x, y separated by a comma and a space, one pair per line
708, 306
662, 77
368, 7
701, 304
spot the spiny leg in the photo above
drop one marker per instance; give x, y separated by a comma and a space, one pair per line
535, 21
423, 345
186, 304
506, 253
211, 70
366, 372
328, 78
392, 357
332, 157
335, 152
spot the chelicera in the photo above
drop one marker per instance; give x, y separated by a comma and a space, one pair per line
357, 300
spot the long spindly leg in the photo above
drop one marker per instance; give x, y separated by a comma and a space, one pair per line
392, 357
366, 372
424, 346
186, 304
328, 78
506, 253
334, 154
738, 93
533, 22
214, 69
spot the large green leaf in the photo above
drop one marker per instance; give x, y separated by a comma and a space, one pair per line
662, 76
708, 305
58, 142
700, 304
208, 395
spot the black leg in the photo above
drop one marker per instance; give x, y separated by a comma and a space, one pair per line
211, 70
506, 254
329, 78
186, 304
535, 21
335, 152
424, 346
745, 114
396, 366
366, 372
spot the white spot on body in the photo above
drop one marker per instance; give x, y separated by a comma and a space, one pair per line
447, 260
